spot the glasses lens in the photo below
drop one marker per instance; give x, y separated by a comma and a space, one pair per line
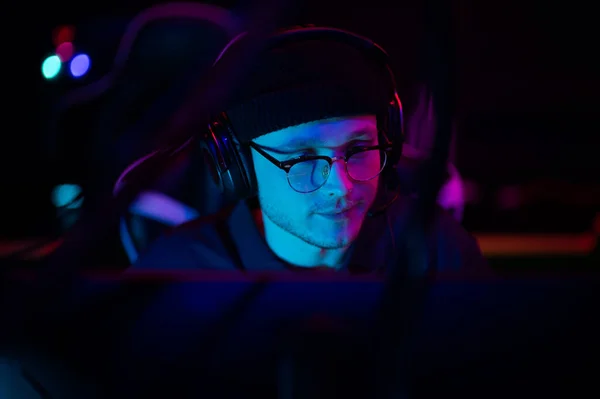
308, 176
366, 165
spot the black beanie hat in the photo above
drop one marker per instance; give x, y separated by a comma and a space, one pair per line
306, 81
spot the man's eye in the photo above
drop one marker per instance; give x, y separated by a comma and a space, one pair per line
360, 145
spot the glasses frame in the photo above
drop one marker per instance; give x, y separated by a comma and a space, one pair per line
287, 165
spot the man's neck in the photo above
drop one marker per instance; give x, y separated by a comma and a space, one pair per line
294, 250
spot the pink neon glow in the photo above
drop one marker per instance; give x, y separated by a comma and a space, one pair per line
65, 51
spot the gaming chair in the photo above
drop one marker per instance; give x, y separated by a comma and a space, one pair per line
154, 51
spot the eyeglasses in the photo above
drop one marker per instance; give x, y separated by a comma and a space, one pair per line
309, 173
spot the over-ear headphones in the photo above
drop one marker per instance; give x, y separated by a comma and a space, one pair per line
230, 162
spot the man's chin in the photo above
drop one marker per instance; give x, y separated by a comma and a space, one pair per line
336, 239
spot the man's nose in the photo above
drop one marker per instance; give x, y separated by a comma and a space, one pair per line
338, 183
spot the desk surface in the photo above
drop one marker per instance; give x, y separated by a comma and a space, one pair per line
513, 335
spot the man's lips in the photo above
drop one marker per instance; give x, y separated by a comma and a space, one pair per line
339, 213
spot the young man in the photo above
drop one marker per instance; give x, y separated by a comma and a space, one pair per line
307, 115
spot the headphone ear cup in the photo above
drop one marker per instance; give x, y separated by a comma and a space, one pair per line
244, 157
229, 175
211, 157
228, 165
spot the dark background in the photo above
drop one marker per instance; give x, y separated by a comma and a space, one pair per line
526, 104
526, 114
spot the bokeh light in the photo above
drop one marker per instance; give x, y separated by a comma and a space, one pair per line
51, 66
63, 34
65, 51
64, 195
79, 66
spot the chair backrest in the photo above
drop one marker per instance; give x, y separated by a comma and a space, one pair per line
184, 192
101, 120
160, 45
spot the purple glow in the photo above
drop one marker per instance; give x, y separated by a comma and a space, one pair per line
162, 208
158, 207
80, 64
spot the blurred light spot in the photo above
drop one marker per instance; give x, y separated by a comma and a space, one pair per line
64, 195
65, 51
80, 64
51, 67
63, 34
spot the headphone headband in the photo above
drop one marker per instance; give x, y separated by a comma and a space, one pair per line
285, 36
340, 35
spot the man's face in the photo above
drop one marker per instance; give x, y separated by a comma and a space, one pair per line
331, 216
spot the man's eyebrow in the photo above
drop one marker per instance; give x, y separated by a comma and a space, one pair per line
309, 142
296, 144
